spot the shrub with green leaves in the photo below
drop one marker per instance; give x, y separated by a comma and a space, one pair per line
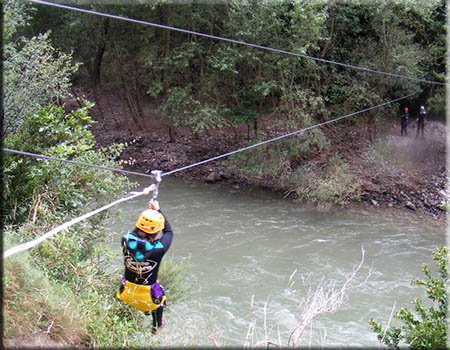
34, 187
330, 183
425, 327
35, 74
182, 109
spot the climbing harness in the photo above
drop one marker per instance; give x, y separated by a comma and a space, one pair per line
143, 297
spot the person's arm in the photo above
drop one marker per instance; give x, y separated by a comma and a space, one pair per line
167, 235
123, 243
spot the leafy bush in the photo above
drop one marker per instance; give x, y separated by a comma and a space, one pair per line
437, 105
333, 183
173, 276
426, 326
35, 74
279, 158
34, 187
182, 109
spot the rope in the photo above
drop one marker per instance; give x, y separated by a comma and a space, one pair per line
367, 70
286, 135
75, 162
35, 242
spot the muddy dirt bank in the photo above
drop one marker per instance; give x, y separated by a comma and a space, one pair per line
416, 181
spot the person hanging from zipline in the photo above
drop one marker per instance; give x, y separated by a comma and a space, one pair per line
421, 120
404, 121
143, 250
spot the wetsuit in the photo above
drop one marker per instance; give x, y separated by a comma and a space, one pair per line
142, 259
405, 118
421, 122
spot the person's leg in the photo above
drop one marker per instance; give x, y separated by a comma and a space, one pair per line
157, 316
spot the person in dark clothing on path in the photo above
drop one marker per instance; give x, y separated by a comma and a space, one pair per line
421, 121
405, 118
143, 249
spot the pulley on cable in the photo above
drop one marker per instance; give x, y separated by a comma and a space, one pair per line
154, 187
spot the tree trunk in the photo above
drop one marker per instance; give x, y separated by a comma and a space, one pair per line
171, 134
139, 104
331, 21
101, 48
128, 96
255, 127
166, 36
94, 69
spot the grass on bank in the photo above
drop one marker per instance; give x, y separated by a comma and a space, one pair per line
50, 301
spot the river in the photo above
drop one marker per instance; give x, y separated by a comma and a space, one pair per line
253, 256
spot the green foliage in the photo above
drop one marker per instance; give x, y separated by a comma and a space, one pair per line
332, 182
182, 56
445, 206
274, 164
437, 103
242, 114
425, 327
180, 108
299, 105
34, 307
34, 188
35, 74
16, 14
401, 37
62, 292
66, 287
80, 261
173, 275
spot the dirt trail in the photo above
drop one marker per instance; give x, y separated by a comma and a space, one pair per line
426, 153
413, 175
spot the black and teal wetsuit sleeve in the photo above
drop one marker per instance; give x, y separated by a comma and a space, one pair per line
167, 235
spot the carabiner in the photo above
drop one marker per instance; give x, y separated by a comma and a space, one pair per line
157, 174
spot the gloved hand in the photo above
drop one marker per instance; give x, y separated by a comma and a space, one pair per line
153, 204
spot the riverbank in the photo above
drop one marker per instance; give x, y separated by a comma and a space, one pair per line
390, 171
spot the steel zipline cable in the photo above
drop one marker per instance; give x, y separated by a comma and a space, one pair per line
287, 135
41, 156
28, 245
285, 52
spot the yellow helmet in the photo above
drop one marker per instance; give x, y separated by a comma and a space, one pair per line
150, 221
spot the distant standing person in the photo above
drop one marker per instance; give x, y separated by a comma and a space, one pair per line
421, 120
405, 118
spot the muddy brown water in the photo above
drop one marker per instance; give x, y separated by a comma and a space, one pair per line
253, 256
